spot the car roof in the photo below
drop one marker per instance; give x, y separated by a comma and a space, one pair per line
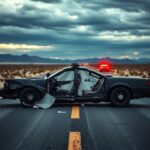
73, 66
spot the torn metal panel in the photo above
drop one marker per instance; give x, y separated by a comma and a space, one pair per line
46, 102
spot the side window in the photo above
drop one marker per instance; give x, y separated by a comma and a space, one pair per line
86, 76
87, 80
94, 77
65, 76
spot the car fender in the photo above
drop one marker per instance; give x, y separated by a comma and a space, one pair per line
39, 88
119, 85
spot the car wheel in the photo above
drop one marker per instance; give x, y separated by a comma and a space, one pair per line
29, 96
120, 96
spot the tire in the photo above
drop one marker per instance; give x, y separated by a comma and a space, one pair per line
29, 96
120, 96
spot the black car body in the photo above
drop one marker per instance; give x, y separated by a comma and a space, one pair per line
77, 84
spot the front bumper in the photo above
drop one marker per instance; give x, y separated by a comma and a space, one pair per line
9, 93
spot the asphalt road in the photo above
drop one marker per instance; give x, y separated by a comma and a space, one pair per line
101, 126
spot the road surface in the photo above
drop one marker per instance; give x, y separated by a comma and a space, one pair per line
100, 126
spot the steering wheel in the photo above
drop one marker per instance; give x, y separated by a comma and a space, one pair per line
55, 82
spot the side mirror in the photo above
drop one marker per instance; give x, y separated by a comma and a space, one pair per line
48, 74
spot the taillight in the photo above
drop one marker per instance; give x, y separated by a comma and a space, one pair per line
148, 83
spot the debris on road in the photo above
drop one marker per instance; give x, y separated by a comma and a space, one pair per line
82, 105
46, 102
61, 112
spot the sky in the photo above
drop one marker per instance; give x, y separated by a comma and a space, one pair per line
73, 29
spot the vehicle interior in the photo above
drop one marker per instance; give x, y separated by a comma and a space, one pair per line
90, 83
94, 89
64, 83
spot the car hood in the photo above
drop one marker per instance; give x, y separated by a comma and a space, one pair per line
29, 81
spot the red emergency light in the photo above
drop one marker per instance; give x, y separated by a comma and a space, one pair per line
104, 66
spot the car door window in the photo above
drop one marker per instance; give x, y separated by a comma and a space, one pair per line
66, 77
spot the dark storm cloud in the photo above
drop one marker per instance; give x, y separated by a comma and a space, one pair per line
76, 27
128, 5
25, 18
134, 5
101, 21
48, 1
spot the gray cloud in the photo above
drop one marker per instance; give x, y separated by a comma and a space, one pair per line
48, 1
110, 27
128, 5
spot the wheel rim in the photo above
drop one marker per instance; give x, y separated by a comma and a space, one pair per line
29, 98
120, 96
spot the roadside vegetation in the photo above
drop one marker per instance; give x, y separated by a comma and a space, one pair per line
32, 70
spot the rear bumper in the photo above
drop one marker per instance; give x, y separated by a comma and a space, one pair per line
141, 92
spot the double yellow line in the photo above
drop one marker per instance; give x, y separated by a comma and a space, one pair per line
74, 142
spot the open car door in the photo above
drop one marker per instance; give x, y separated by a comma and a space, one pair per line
65, 85
92, 84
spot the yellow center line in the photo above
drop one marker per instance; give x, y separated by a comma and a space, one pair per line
75, 112
74, 141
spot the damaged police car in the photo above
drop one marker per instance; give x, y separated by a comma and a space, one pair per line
76, 84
